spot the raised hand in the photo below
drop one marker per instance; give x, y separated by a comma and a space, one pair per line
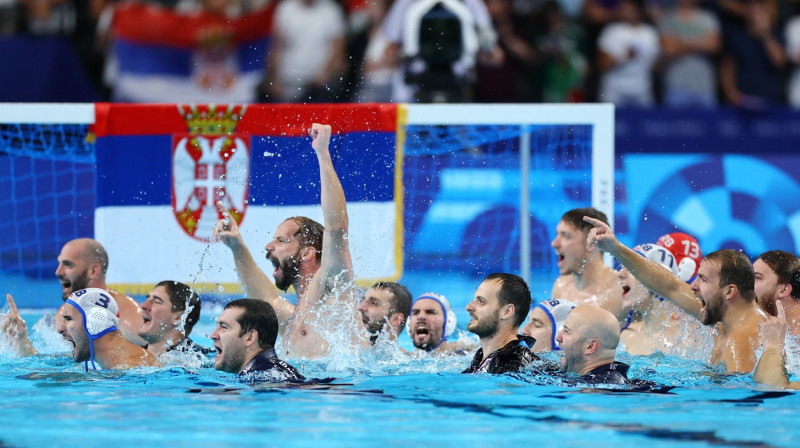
321, 136
15, 328
601, 235
773, 328
226, 229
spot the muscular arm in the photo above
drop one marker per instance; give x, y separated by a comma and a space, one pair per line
336, 266
649, 273
771, 369
254, 281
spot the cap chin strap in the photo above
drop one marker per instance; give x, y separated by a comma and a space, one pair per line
445, 337
91, 338
629, 319
553, 344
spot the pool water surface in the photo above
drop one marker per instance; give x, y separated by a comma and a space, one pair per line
380, 400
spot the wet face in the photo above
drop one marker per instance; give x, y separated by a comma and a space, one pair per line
766, 286
706, 288
231, 348
484, 310
375, 309
426, 324
571, 249
70, 327
540, 328
73, 269
158, 319
284, 254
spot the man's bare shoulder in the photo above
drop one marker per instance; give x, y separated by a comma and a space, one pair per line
124, 301
136, 357
609, 277
562, 284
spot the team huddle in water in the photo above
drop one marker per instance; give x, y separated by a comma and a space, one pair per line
663, 298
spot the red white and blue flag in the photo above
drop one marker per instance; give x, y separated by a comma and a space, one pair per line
163, 56
162, 168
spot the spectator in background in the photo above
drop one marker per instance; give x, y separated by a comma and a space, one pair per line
690, 39
8, 17
307, 59
792, 35
49, 17
376, 80
393, 30
752, 66
596, 14
562, 53
507, 81
627, 53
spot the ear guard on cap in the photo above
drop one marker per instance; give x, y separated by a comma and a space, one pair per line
660, 255
687, 253
557, 311
100, 315
450, 320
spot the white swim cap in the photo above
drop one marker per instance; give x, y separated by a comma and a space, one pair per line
450, 320
100, 314
557, 310
659, 254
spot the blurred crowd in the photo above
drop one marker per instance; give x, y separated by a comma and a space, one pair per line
633, 53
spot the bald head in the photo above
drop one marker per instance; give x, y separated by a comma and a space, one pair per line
588, 339
92, 252
82, 263
596, 322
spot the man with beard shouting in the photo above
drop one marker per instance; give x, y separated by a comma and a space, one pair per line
312, 258
722, 292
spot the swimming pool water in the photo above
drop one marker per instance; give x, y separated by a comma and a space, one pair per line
49, 401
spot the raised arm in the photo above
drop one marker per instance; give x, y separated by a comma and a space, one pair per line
255, 282
653, 276
771, 368
16, 330
336, 266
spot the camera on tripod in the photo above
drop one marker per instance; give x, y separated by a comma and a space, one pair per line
440, 44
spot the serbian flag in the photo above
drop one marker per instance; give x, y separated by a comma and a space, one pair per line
164, 56
162, 168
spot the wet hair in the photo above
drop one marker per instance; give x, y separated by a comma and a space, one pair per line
735, 268
182, 296
309, 234
575, 216
795, 282
513, 290
401, 299
258, 315
782, 263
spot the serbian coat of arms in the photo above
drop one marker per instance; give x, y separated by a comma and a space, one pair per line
210, 164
